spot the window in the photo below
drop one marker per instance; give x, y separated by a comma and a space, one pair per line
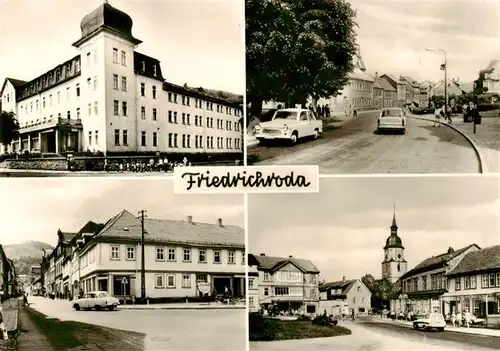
484, 282
78, 113
154, 70
143, 65
116, 107
43, 103
131, 253
143, 112
354, 300
201, 278
171, 254
183, 118
68, 114
88, 59
497, 283
170, 281
78, 89
186, 281
95, 83
230, 257
96, 109
143, 138
155, 139
250, 283
250, 301
124, 83
159, 282
170, 141
50, 100
243, 257
89, 83
154, 92
96, 137
58, 97
202, 255
115, 55
115, 81
188, 141
117, 137
143, 89
217, 256
90, 109
457, 283
160, 254
169, 97
115, 252
154, 114
492, 280
124, 58
124, 108
186, 255
125, 138
266, 291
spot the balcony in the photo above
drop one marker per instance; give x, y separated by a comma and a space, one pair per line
49, 123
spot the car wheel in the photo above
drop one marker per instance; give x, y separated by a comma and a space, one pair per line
316, 134
98, 308
293, 138
415, 326
441, 329
77, 307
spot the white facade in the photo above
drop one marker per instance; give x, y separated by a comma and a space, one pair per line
336, 301
113, 111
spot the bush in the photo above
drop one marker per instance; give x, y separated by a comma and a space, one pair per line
304, 318
487, 107
262, 328
323, 319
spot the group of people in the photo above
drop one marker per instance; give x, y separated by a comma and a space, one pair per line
321, 111
459, 319
138, 166
442, 112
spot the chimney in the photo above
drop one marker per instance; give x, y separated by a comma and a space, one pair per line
450, 250
343, 278
262, 254
219, 222
290, 256
190, 219
376, 74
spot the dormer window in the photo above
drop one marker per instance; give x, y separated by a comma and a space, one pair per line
143, 66
154, 70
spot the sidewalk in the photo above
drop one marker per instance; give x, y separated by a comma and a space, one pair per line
182, 306
31, 337
10, 312
474, 330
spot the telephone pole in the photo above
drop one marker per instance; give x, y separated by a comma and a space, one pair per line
142, 213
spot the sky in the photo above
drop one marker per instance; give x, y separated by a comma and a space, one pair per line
200, 42
34, 209
343, 228
393, 36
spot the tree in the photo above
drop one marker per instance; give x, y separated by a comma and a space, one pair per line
9, 127
382, 290
297, 48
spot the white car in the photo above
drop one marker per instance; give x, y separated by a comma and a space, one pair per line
289, 124
433, 321
100, 300
391, 119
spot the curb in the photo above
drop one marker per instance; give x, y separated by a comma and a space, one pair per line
184, 308
459, 131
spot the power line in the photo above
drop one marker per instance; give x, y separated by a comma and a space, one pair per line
142, 213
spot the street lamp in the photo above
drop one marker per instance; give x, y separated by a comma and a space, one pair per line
445, 74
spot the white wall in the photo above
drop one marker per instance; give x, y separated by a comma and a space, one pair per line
9, 98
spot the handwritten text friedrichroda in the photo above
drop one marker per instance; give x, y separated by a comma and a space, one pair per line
257, 180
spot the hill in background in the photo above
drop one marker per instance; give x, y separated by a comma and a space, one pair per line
26, 254
218, 94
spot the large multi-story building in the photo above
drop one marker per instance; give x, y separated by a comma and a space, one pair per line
182, 258
474, 285
113, 99
289, 283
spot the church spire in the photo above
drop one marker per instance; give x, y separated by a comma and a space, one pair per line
394, 226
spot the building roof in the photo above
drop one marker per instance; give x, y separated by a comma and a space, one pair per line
438, 261
479, 261
16, 83
491, 66
386, 84
126, 226
198, 93
66, 237
109, 18
270, 263
148, 69
359, 75
91, 228
345, 285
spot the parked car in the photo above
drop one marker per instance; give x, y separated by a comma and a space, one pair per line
289, 124
391, 119
100, 300
432, 321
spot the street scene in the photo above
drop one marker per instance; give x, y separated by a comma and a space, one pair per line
112, 272
395, 265
380, 103
109, 108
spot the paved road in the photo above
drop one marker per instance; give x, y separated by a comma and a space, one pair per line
172, 330
355, 148
385, 337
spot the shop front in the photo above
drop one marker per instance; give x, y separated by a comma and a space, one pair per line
484, 306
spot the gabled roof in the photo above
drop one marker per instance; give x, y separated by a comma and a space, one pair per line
438, 261
270, 263
66, 237
491, 66
478, 261
91, 228
359, 75
16, 83
386, 84
345, 285
125, 226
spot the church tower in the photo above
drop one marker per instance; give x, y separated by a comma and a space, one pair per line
394, 264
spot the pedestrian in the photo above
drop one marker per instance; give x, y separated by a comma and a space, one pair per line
459, 319
327, 111
453, 319
2, 325
318, 110
468, 318
185, 161
448, 114
105, 165
437, 116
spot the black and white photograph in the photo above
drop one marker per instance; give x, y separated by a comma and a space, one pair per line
379, 263
120, 87
117, 264
374, 87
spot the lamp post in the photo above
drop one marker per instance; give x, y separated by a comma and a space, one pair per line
445, 74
